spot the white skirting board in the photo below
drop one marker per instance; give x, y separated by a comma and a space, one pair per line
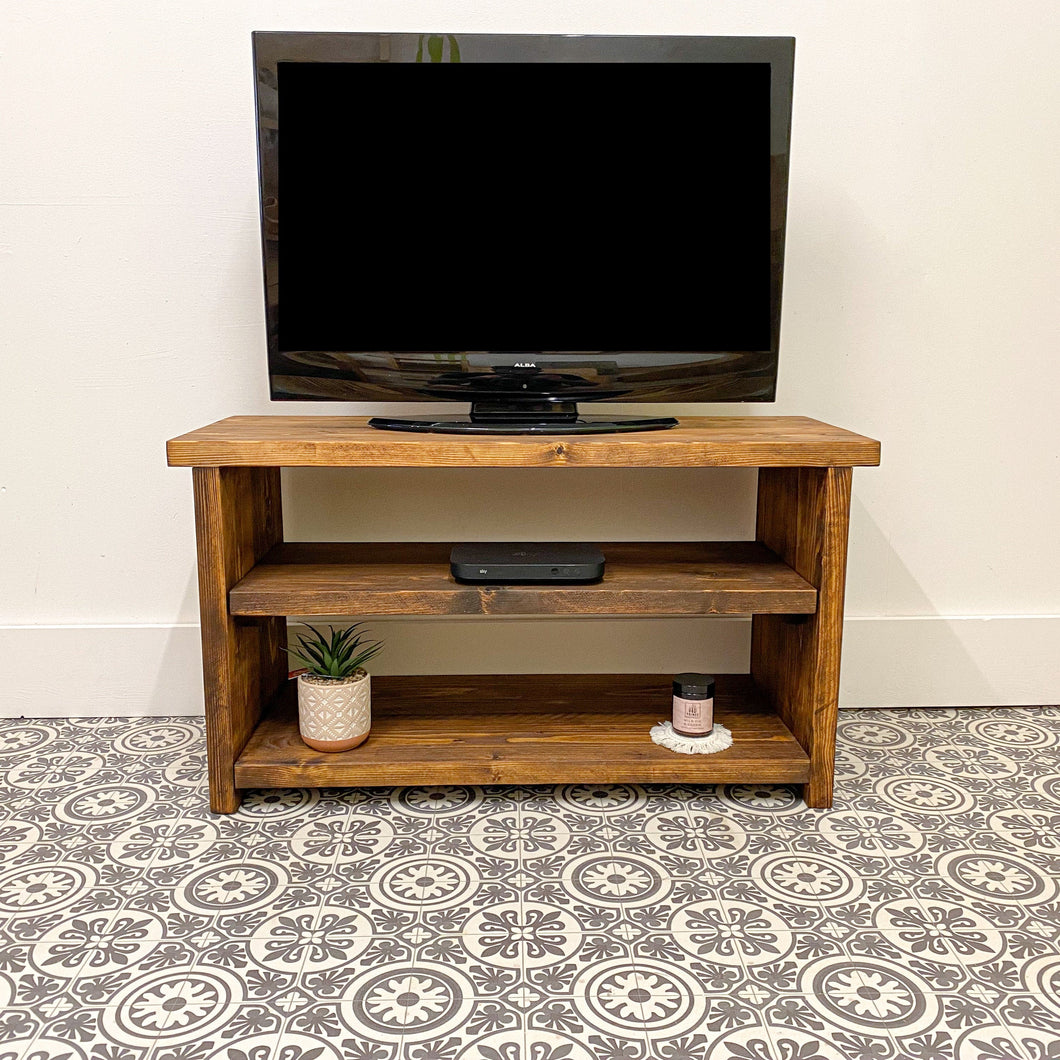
921, 661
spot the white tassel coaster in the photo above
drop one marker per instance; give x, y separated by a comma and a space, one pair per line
663, 734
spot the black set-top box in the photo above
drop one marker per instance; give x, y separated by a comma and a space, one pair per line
508, 562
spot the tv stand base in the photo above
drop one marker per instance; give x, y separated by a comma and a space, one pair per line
467, 425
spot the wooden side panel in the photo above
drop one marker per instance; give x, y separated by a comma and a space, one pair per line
237, 520
803, 516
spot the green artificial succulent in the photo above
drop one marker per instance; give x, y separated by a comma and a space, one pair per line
436, 48
340, 655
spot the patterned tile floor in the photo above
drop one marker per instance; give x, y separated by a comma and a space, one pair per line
917, 919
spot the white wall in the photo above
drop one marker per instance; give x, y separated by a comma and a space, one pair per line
920, 308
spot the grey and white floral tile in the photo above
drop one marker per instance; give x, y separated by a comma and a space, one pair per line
1038, 1011
332, 1031
919, 918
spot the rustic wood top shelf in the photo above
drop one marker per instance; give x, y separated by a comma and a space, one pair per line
348, 441
645, 578
539, 728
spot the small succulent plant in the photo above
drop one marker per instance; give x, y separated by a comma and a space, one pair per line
341, 654
436, 48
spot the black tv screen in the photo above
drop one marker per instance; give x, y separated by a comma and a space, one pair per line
608, 209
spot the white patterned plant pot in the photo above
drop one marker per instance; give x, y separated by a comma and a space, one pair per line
334, 713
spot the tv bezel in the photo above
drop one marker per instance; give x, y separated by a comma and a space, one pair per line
731, 376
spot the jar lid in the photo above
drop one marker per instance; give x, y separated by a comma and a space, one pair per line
694, 685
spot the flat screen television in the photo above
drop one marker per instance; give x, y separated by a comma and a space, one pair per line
575, 219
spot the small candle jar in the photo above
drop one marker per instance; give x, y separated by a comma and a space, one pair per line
693, 704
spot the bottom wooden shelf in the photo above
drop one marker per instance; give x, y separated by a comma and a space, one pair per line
540, 728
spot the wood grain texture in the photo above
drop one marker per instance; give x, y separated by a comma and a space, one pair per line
803, 516
237, 520
348, 441
541, 728
645, 578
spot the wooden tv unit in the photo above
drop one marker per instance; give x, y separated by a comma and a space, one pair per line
541, 728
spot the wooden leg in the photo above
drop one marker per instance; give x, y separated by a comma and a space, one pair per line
803, 516
237, 520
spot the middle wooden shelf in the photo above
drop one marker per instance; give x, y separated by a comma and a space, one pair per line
413, 578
